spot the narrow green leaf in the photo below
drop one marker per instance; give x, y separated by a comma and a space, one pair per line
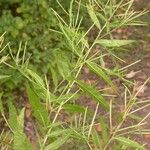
59, 99
104, 129
129, 143
39, 109
55, 125
58, 143
96, 95
3, 59
1, 104
36, 77
12, 116
59, 132
135, 117
93, 16
4, 76
62, 64
114, 43
102, 17
20, 140
96, 139
74, 108
117, 146
94, 67
54, 76
20, 120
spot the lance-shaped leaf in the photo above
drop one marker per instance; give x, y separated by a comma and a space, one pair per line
4, 76
74, 108
1, 104
16, 123
94, 67
93, 16
12, 116
96, 139
129, 143
39, 109
20, 140
96, 95
104, 127
114, 43
58, 143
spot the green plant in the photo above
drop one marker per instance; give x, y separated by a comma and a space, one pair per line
29, 22
50, 99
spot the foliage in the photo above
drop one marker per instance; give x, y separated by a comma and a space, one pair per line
30, 21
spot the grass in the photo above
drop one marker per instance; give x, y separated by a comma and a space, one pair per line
52, 97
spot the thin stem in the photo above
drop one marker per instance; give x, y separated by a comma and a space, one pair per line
91, 125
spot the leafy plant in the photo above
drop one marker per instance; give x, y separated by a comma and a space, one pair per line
61, 57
